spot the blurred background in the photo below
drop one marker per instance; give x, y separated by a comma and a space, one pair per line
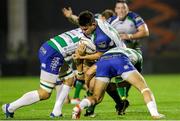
26, 24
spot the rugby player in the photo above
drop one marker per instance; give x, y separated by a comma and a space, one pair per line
53, 55
116, 62
131, 28
103, 36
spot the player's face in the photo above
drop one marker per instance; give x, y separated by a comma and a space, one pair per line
121, 10
88, 30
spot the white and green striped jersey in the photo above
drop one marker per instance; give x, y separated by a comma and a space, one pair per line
132, 54
67, 42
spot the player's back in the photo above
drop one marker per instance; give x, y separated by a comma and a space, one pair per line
67, 42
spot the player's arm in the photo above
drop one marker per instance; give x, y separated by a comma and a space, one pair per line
68, 13
79, 52
88, 57
141, 33
101, 47
142, 29
92, 56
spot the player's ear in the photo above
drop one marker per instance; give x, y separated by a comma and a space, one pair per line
94, 23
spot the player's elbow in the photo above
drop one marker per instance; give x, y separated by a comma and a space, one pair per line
146, 33
143, 31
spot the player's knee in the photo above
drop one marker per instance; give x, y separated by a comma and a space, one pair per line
69, 82
145, 90
43, 94
45, 89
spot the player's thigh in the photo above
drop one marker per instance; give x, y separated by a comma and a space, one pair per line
90, 73
137, 80
91, 84
99, 89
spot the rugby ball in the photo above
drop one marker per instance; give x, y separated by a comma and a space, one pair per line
90, 47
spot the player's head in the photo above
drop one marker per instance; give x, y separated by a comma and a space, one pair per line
87, 22
121, 8
106, 14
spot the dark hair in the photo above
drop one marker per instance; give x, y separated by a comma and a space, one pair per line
108, 13
121, 1
86, 18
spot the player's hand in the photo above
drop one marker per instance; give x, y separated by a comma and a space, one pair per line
67, 12
126, 36
81, 49
76, 56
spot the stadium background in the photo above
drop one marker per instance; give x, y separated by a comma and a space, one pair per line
26, 24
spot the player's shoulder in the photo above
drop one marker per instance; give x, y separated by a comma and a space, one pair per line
135, 18
132, 14
111, 19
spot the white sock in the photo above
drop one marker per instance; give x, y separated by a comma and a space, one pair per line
60, 101
153, 98
27, 99
152, 108
58, 90
84, 103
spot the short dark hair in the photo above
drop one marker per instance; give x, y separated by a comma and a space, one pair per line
108, 13
121, 1
86, 18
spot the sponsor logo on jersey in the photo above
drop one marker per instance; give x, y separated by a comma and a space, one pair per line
137, 19
126, 67
54, 63
43, 50
102, 45
43, 65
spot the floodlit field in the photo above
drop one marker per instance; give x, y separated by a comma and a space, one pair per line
166, 89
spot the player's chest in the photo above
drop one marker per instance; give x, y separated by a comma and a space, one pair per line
126, 26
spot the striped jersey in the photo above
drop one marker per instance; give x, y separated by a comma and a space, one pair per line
132, 54
67, 42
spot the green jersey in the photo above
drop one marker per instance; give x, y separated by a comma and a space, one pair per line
67, 42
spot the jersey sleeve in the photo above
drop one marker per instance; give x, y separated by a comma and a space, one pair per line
138, 21
111, 19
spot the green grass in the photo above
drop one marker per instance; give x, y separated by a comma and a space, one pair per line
166, 89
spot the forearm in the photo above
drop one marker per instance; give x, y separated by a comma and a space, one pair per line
73, 19
92, 56
141, 33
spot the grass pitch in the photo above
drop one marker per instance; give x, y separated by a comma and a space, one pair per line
166, 89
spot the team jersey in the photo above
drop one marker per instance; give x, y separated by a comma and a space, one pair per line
105, 37
66, 43
129, 26
132, 54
